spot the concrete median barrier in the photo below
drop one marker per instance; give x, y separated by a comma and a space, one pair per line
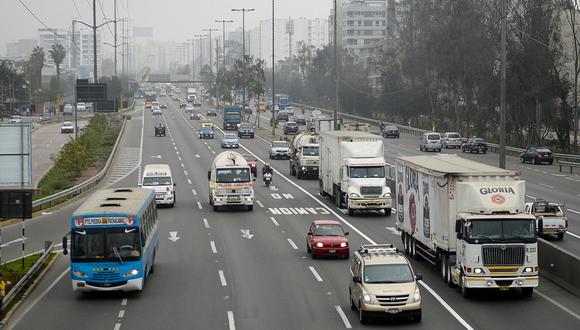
559, 266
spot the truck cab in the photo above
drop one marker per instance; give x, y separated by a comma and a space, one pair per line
232, 118
230, 181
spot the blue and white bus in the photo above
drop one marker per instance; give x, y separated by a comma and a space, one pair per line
114, 239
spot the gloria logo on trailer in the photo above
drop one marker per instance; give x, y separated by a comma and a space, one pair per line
498, 193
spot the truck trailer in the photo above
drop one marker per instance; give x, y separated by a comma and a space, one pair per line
468, 219
352, 171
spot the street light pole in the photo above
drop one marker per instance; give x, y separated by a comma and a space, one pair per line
502, 115
273, 78
200, 52
95, 41
336, 64
223, 21
210, 57
244, 10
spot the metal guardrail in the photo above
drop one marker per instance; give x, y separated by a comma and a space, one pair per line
15, 290
49, 201
418, 132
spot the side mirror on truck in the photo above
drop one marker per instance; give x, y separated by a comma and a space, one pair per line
458, 229
208, 175
64, 246
540, 226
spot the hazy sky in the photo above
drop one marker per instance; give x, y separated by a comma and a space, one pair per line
171, 19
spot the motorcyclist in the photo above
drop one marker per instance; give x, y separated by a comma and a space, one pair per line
382, 125
267, 169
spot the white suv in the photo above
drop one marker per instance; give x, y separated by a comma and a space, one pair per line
430, 142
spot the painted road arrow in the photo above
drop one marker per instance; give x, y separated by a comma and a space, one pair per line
246, 233
173, 236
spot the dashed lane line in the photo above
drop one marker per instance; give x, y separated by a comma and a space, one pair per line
231, 322
205, 223
274, 222
121, 314
194, 192
292, 244
117, 326
315, 273
222, 278
213, 248
199, 205
260, 203
343, 317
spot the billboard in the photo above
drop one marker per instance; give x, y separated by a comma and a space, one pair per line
91, 92
15, 154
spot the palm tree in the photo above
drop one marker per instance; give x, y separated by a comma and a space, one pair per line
58, 53
35, 64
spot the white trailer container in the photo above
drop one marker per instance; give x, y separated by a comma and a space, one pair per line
230, 181
352, 170
468, 218
304, 155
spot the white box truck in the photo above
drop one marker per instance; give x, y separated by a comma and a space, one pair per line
304, 155
352, 170
230, 181
468, 219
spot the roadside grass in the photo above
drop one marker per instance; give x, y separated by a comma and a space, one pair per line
13, 271
86, 154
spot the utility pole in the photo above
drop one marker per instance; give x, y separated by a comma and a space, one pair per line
336, 64
192, 57
273, 77
223, 21
95, 41
244, 10
210, 57
502, 121
115, 36
200, 52
290, 31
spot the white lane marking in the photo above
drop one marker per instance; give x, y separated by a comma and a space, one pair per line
573, 235
179, 157
213, 152
231, 322
185, 172
315, 273
40, 297
562, 307
121, 314
343, 317
205, 223
194, 192
124, 302
182, 165
117, 326
558, 175
222, 278
189, 181
292, 244
197, 156
260, 203
530, 197
209, 147
545, 185
199, 205
573, 211
393, 231
447, 307
213, 248
274, 221
177, 152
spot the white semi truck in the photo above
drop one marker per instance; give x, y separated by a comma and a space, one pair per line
304, 155
352, 170
468, 219
230, 181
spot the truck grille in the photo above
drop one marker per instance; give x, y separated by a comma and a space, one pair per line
106, 276
392, 300
503, 255
371, 191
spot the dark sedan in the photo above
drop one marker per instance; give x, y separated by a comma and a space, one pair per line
291, 128
476, 145
211, 113
246, 130
537, 155
391, 131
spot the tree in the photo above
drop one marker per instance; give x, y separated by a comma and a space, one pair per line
58, 53
572, 19
35, 65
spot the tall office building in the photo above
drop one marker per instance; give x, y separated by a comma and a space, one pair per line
20, 49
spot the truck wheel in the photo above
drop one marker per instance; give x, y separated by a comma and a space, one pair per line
250, 207
362, 316
291, 168
216, 208
321, 189
527, 292
388, 211
350, 211
417, 317
560, 236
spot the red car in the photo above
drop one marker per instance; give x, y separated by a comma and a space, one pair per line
326, 238
251, 160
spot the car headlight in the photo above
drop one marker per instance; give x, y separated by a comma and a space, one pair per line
319, 244
368, 299
528, 270
343, 244
80, 274
387, 195
478, 271
354, 194
132, 272
303, 168
417, 295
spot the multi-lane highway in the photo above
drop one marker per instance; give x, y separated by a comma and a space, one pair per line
250, 270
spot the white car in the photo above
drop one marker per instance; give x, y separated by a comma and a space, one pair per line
430, 142
289, 110
451, 140
15, 119
67, 110
81, 106
67, 127
156, 110
316, 113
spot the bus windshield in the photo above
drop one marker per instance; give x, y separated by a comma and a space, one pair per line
367, 172
233, 175
105, 244
156, 181
500, 230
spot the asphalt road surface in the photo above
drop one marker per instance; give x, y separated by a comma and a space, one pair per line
216, 277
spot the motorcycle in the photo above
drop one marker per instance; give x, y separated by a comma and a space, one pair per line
267, 179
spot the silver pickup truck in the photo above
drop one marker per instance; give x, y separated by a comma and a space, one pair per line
550, 218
